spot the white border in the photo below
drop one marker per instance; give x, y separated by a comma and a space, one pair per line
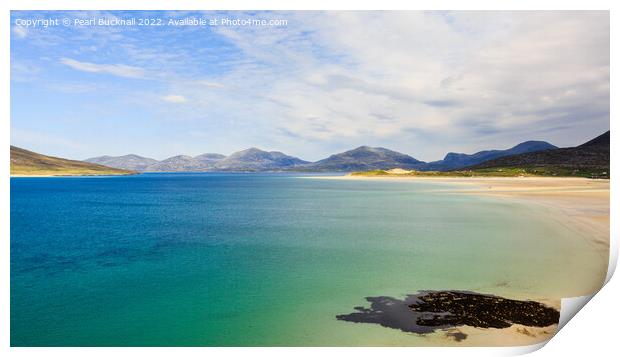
594, 327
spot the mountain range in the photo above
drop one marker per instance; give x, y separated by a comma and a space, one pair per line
363, 158
591, 158
252, 159
454, 161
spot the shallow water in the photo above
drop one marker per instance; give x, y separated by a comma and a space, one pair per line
264, 259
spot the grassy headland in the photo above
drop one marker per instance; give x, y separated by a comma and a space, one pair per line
28, 163
495, 172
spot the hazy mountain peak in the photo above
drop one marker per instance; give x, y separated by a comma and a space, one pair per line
178, 157
531, 146
366, 158
125, 162
257, 159
211, 156
371, 149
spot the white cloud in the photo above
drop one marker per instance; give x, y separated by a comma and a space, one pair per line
210, 84
24, 71
418, 82
20, 31
174, 98
119, 70
403, 77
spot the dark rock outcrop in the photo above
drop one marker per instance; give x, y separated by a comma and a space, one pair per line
429, 311
455, 308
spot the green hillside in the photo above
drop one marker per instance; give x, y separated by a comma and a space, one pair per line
28, 163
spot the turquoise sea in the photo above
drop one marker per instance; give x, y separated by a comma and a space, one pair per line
263, 259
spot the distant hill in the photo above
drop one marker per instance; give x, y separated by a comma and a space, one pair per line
24, 162
177, 163
590, 159
209, 159
454, 161
126, 162
365, 158
254, 159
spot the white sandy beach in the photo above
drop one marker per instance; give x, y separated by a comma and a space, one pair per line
578, 203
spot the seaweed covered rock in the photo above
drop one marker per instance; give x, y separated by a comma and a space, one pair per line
455, 308
429, 311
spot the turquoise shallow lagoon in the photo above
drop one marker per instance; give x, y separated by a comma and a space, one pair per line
263, 259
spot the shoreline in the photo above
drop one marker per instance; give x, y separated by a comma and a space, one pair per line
586, 202
579, 204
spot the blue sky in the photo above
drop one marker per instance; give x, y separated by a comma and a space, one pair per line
423, 83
